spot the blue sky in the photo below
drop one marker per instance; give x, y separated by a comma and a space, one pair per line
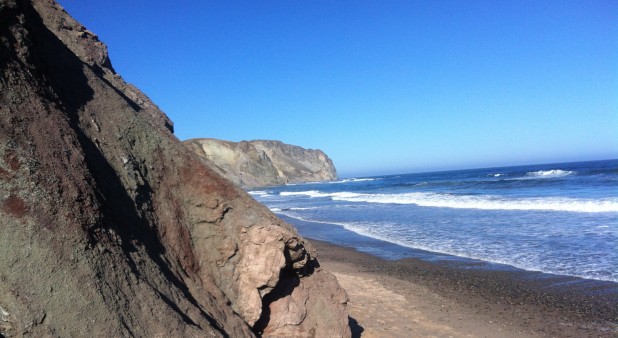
381, 86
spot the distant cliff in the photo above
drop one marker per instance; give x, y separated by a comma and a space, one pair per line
264, 163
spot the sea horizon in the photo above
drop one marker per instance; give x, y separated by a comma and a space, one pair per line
404, 172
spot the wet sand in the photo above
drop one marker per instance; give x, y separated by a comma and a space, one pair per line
414, 298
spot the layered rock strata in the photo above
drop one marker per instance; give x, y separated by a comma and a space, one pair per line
110, 227
262, 163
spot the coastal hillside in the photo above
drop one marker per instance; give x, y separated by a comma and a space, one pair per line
264, 163
110, 227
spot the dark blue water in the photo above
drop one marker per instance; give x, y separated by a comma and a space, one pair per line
554, 218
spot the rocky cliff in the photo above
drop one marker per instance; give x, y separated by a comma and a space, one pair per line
264, 163
110, 227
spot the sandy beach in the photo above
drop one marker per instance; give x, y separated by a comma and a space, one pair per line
413, 298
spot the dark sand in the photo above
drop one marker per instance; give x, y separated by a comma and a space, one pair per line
414, 298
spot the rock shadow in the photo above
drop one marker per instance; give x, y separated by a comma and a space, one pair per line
288, 281
355, 327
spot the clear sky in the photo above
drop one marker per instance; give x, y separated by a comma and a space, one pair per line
381, 86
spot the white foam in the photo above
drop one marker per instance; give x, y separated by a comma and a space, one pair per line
524, 261
372, 231
300, 208
258, 193
390, 232
310, 193
482, 202
282, 210
348, 180
550, 173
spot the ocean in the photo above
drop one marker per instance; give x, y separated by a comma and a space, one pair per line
554, 218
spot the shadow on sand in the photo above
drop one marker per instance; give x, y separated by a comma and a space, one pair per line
355, 327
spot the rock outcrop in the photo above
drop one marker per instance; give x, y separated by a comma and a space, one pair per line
262, 163
110, 227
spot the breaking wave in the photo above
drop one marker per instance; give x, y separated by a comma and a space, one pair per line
482, 202
258, 193
310, 193
549, 173
348, 180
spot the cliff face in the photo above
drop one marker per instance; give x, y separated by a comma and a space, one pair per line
264, 163
109, 226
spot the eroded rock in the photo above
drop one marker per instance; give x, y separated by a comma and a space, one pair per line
109, 226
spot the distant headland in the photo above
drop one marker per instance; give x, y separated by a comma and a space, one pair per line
260, 163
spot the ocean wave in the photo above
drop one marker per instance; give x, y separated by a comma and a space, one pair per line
554, 173
298, 208
518, 260
317, 194
282, 210
482, 202
258, 193
348, 180
524, 261
310, 193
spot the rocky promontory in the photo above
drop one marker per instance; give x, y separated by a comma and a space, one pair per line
264, 163
110, 227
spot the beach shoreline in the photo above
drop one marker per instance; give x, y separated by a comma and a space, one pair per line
413, 297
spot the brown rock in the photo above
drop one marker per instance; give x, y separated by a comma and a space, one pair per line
15, 206
110, 227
